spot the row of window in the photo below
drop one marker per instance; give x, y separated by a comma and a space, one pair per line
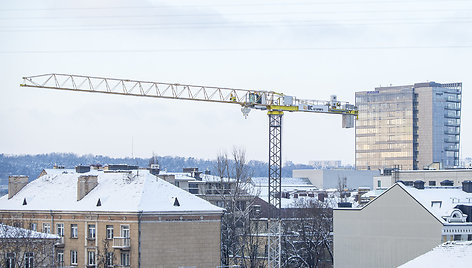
91, 258
74, 231
11, 260
457, 237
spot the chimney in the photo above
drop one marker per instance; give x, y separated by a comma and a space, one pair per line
170, 178
467, 186
15, 184
82, 169
85, 184
418, 185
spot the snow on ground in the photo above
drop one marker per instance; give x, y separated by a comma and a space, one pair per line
447, 255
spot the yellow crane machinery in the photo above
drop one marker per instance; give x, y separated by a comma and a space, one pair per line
273, 102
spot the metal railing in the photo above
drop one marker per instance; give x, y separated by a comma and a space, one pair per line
121, 242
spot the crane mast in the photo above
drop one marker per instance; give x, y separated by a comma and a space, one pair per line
273, 102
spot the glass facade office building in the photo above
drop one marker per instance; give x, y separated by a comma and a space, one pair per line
409, 127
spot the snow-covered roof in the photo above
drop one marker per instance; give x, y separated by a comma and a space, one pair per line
183, 176
449, 254
440, 202
286, 182
7, 231
130, 191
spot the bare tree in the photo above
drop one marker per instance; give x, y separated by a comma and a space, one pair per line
105, 255
21, 247
240, 239
307, 239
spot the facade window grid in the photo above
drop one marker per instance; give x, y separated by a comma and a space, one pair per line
73, 231
109, 232
91, 258
91, 231
60, 229
46, 228
73, 257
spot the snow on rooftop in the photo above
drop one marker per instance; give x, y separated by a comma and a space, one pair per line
129, 191
264, 181
449, 254
7, 231
439, 201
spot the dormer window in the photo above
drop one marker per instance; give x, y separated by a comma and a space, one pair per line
456, 216
436, 204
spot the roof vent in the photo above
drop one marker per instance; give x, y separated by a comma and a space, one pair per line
176, 202
467, 186
447, 183
418, 184
24, 202
99, 203
82, 169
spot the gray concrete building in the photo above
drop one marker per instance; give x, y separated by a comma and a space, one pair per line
401, 224
409, 126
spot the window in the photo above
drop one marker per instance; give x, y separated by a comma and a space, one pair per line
91, 231
60, 229
29, 259
193, 188
124, 259
91, 258
469, 237
33, 226
46, 228
73, 231
60, 258
109, 231
10, 261
432, 183
379, 183
110, 259
73, 257
457, 237
125, 231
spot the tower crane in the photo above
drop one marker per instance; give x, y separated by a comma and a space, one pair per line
273, 102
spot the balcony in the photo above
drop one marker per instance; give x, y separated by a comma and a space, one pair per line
454, 148
452, 114
122, 243
60, 242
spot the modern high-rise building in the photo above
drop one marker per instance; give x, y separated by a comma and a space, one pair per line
409, 127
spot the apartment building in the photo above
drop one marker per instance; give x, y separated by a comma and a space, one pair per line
117, 218
409, 126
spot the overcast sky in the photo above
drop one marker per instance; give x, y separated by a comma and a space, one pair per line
308, 49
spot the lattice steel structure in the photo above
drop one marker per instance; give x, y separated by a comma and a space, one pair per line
273, 102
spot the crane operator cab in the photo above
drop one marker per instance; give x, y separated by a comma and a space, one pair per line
255, 98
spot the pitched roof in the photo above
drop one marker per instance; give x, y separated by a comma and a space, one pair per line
449, 254
130, 191
440, 202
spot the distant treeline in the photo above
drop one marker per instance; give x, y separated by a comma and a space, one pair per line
32, 165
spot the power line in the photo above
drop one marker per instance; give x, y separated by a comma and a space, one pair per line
110, 51
237, 5
238, 14
195, 25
